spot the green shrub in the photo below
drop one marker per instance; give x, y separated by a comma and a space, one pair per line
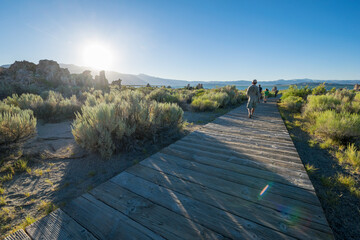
162, 95
337, 126
351, 156
319, 90
54, 108
16, 124
321, 103
292, 103
345, 95
293, 90
200, 104
107, 127
25, 101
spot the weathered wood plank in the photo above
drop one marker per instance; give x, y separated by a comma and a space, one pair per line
18, 235
249, 210
213, 140
233, 124
223, 222
164, 222
248, 122
244, 140
291, 165
243, 131
219, 148
105, 222
240, 131
253, 138
288, 191
283, 178
58, 225
244, 162
271, 199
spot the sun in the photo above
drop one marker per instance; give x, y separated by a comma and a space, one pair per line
97, 55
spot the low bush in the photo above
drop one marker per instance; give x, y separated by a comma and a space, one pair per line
319, 90
351, 156
200, 104
294, 91
162, 95
15, 124
292, 103
336, 126
106, 127
25, 101
54, 108
321, 103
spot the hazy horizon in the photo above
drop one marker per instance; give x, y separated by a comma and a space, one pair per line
189, 40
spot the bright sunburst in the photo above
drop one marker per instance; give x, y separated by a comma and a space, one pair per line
97, 55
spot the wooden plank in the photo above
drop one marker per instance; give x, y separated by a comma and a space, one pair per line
255, 182
243, 190
239, 152
291, 165
265, 216
237, 145
267, 129
105, 222
242, 139
244, 131
248, 122
283, 178
244, 162
254, 138
241, 131
257, 118
223, 222
18, 235
58, 225
164, 222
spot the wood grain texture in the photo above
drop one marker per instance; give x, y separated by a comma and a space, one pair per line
223, 222
58, 225
18, 235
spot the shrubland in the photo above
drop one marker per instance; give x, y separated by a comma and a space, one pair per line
115, 121
15, 124
332, 118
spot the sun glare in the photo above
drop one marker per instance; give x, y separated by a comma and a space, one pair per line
97, 56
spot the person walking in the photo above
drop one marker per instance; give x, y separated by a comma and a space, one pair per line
275, 90
253, 95
260, 91
266, 95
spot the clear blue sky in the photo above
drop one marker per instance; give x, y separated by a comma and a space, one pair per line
191, 40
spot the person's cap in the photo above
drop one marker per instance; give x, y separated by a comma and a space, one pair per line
254, 81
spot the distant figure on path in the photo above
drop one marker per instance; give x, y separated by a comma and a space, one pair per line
266, 95
275, 90
253, 95
260, 90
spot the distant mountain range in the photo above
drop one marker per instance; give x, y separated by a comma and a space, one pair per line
143, 79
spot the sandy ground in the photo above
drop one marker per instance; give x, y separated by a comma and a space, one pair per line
62, 171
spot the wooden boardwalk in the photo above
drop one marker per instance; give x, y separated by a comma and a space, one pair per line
235, 178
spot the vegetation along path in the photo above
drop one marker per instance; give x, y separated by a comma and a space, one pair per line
235, 178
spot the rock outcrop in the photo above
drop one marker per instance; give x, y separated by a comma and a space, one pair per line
101, 81
47, 74
51, 72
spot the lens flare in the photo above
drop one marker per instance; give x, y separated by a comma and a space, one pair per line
264, 189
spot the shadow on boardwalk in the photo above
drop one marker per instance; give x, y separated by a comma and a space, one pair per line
234, 178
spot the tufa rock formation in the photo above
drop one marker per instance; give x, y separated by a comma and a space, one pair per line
101, 81
47, 74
